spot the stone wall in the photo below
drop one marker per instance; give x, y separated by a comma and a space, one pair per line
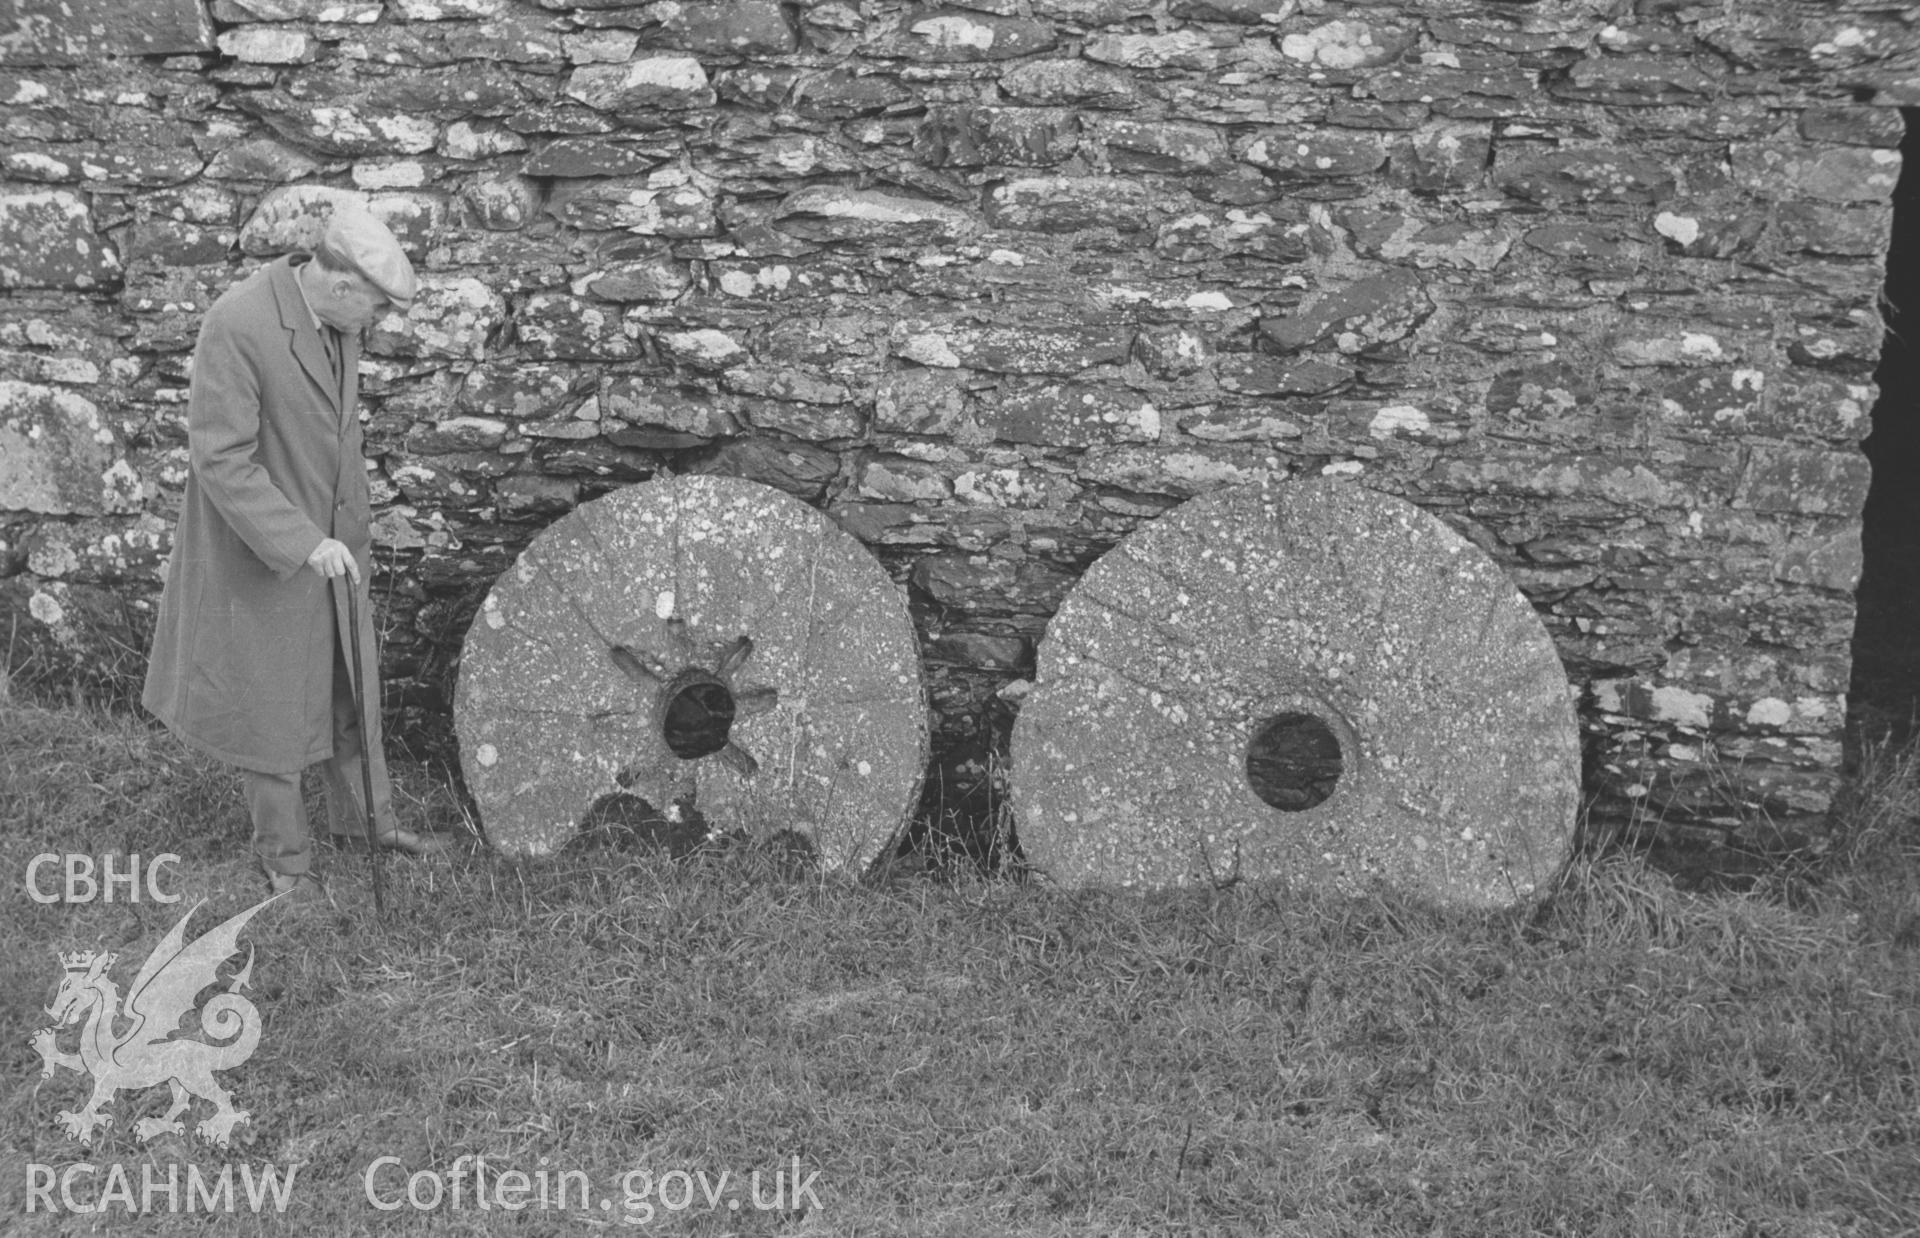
995, 282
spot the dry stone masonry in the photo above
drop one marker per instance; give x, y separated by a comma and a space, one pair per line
996, 282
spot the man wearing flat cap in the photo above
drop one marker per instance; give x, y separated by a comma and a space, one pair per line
251, 647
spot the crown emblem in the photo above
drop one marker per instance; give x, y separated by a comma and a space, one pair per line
79, 960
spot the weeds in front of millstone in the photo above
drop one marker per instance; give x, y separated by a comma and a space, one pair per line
756, 839
623, 821
430, 797
768, 843
1595, 834
961, 832
1216, 878
1609, 899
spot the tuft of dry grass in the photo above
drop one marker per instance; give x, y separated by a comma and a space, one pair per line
987, 1056
1872, 867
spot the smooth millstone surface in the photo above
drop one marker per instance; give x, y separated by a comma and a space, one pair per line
675, 571
1459, 760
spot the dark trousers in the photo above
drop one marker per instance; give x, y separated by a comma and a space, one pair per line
281, 840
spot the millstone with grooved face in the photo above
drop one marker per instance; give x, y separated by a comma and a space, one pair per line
700, 640
1302, 680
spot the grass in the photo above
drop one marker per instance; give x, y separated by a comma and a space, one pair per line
969, 1056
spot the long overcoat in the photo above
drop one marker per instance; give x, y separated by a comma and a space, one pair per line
242, 662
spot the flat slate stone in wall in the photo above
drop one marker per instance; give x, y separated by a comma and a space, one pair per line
47, 240
73, 30
995, 284
57, 456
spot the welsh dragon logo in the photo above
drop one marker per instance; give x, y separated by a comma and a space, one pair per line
148, 1052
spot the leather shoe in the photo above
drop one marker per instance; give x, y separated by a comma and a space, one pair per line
406, 841
299, 889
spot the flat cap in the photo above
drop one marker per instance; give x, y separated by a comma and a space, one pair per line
360, 242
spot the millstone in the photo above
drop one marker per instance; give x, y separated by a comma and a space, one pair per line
700, 643
1299, 680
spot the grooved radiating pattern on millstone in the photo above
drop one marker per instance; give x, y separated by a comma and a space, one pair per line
673, 572
1460, 751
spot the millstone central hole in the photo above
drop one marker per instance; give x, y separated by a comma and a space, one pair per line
697, 719
1294, 761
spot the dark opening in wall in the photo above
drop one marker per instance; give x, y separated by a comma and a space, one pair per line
1886, 644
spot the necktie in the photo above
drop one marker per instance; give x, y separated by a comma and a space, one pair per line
335, 356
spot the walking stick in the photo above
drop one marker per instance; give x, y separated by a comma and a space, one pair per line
366, 748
